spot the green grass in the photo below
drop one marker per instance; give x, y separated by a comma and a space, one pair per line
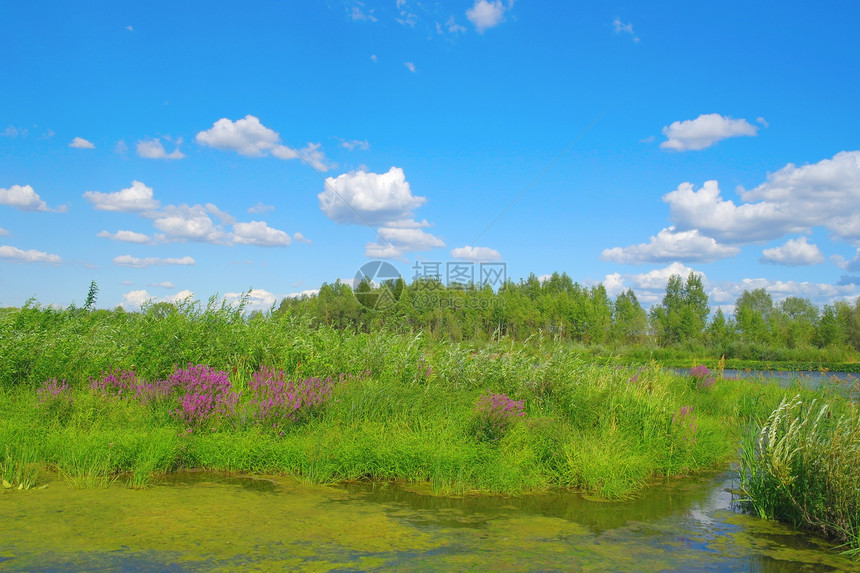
604, 429
801, 466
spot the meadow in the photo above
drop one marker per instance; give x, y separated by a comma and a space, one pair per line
109, 396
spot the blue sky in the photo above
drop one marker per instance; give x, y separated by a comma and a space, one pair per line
168, 148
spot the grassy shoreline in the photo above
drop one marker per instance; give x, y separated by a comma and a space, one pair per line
96, 396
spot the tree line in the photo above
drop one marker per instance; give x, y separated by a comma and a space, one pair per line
566, 310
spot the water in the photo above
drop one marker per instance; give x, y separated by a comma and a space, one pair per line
204, 522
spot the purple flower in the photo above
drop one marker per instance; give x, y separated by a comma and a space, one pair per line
208, 394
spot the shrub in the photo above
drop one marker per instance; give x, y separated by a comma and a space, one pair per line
494, 414
209, 395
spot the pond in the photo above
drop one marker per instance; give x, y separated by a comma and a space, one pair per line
197, 521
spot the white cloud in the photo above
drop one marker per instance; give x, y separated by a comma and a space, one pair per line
358, 15
137, 263
244, 136
13, 131
25, 198
704, 131
657, 279
476, 254
671, 245
81, 143
260, 234
126, 236
309, 292
851, 266
487, 14
184, 223
795, 252
165, 284
394, 242
453, 27
260, 207
818, 293
353, 144
359, 197
301, 238
792, 200
3, 232
153, 149
17, 255
251, 138
827, 192
409, 66
138, 197
622, 28
120, 148
314, 157
614, 284
136, 298
255, 299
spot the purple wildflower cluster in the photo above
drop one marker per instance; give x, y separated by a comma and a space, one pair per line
495, 413
208, 394
126, 384
703, 377
275, 400
53, 392
684, 423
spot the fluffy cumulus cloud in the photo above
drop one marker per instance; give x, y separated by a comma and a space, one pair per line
394, 242
81, 143
251, 138
795, 252
379, 199
126, 237
792, 200
138, 263
260, 234
818, 293
704, 131
24, 198
359, 197
671, 245
136, 298
476, 254
154, 149
651, 286
136, 198
190, 223
487, 13
17, 255
255, 299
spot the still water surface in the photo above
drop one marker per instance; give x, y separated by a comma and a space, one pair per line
204, 522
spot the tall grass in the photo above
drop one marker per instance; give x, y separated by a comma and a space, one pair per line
329, 405
801, 466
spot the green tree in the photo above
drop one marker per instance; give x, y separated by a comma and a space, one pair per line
682, 315
629, 319
753, 311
